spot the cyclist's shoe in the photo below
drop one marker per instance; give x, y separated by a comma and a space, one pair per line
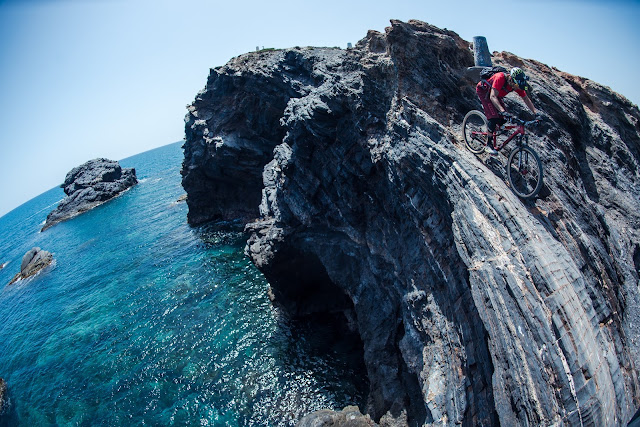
489, 150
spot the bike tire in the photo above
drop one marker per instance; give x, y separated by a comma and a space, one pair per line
524, 171
474, 129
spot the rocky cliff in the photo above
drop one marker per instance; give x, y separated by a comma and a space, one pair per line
474, 307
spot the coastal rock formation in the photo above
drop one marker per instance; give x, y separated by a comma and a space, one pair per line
90, 185
474, 307
32, 262
349, 416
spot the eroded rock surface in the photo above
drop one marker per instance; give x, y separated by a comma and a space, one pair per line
90, 185
32, 262
474, 307
349, 416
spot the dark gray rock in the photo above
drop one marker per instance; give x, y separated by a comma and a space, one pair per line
3, 396
32, 262
348, 417
90, 185
473, 306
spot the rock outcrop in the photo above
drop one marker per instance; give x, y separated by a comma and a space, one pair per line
32, 262
474, 307
3, 396
349, 416
90, 185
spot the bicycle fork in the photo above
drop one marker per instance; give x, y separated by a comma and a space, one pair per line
523, 162
523, 156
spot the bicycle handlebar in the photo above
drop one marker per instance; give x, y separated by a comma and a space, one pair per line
524, 122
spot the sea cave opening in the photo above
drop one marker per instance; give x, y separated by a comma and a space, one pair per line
321, 321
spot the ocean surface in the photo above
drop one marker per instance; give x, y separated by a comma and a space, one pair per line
144, 320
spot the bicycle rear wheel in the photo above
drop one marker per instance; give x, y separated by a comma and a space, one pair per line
524, 170
474, 131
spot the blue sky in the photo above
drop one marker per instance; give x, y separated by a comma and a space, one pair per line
111, 78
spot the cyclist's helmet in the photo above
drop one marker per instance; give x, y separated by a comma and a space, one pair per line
520, 78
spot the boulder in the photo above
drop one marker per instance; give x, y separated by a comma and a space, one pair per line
32, 262
3, 396
348, 417
474, 307
90, 185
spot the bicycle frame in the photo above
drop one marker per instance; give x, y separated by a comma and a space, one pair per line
517, 125
524, 170
519, 131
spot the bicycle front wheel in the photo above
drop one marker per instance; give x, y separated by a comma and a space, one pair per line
524, 170
474, 131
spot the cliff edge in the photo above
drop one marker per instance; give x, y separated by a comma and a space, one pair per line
474, 306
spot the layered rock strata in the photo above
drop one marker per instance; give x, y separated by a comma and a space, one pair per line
32, 262
90, 185
474, 307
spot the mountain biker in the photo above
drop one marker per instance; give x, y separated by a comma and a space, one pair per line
491, 92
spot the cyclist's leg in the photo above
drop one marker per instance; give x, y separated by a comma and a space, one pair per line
493, 124
490, 111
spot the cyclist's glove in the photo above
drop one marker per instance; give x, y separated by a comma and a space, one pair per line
507, 115
539, 117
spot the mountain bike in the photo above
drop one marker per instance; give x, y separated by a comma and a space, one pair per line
524, 168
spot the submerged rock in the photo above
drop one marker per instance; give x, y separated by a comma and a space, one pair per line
90, 185
474, 307
3, 396
32, 262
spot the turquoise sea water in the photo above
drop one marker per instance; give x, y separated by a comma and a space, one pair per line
144, 320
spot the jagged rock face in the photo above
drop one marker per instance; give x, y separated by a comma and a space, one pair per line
473, 306
90, 185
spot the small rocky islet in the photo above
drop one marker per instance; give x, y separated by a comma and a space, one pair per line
32, 262
89, 185
86, 186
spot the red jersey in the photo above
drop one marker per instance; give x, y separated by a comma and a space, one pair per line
499, 82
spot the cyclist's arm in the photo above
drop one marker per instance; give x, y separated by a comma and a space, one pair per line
527, 101
495, 100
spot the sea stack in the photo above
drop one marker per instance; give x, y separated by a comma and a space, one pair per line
90, 185
32, 262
